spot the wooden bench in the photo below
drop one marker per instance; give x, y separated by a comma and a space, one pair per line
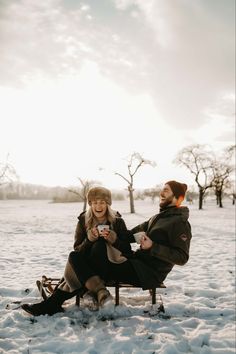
48, 285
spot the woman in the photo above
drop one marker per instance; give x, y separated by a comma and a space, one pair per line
100, 232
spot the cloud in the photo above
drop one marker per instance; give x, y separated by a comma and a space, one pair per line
192, 61
180, 53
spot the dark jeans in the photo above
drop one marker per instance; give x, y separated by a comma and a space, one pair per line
95, 262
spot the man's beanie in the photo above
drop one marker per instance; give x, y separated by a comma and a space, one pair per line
99, 193
178, 189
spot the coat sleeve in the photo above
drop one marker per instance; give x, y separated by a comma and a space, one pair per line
141, 227
177, 252
122, 242
81, 242
138, 228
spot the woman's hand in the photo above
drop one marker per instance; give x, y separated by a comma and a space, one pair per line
105, 234
108, 235
95, 232
146, 243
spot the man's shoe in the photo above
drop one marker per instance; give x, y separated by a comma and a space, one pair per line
41, 309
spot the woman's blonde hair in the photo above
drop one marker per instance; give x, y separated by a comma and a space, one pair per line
90, 220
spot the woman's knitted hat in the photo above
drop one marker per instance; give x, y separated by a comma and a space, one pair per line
178, 189
99, 193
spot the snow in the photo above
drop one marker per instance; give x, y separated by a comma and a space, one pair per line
36, 237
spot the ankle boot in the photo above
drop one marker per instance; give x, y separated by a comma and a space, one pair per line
96, 285
49, 306
103, 297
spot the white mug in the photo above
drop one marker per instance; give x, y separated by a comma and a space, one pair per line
138, 236
102, 227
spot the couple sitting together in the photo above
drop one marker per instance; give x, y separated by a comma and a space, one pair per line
102, 250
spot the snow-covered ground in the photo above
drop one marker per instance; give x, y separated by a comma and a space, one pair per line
35, 239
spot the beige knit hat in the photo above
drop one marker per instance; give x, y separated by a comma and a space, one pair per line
99, 193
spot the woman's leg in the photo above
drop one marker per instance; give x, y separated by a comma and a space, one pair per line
50, 306
99, 259
80, 263
90, 263
66, 290
87, 273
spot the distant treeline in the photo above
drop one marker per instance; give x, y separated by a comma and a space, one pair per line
25, 191
15, 191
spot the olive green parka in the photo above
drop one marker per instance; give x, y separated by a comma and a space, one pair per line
170, 232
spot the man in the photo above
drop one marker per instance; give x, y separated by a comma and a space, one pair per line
165, 243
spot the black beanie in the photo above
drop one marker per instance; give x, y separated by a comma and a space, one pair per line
178, 189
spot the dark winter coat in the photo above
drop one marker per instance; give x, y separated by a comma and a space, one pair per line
170, 232
122, 244
70, 281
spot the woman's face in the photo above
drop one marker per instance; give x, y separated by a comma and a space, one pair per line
99, 208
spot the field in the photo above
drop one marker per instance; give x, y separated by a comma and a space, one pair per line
35, 239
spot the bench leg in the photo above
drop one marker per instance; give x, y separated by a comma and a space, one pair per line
153, 296
77, 300
41, 289
117, 295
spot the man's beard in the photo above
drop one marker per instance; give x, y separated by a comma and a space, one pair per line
166, 203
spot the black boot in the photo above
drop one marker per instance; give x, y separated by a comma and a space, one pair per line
49, 306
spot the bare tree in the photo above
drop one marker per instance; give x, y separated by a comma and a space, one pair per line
82, 192
230, 190
222, 169
221, 181
7, 172
199, 162
135, 161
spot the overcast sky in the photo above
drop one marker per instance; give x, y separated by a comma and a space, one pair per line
83, 84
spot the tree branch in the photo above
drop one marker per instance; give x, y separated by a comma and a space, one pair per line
118, 174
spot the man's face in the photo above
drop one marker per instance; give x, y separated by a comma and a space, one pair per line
99, 208
167, 197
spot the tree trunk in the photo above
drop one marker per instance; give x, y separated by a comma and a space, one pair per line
131, 200
220, 199
85, 204
234, 198
201, 195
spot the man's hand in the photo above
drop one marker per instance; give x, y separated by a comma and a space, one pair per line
146, 243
